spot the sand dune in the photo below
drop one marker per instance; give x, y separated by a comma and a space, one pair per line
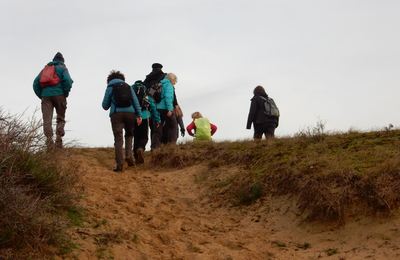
144, 214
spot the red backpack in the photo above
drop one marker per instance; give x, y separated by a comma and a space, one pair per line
49, 77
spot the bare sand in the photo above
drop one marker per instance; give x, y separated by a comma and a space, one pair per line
141, 214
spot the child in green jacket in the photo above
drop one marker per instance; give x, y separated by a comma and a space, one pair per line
201, 128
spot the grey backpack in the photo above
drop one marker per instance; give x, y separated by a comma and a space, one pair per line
270, 107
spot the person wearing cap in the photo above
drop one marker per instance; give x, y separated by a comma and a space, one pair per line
165, 132
52, 85
155, 76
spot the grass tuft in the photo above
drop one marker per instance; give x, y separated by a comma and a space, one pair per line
331, 176
37, 190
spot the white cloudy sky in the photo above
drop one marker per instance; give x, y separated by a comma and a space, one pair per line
331, 60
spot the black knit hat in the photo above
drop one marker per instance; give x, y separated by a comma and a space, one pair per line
58, 57
156, 66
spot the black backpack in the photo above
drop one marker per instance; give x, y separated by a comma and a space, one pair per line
154, 91
270, 108
122, 94
141, 93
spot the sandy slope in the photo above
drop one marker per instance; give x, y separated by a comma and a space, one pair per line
141, 214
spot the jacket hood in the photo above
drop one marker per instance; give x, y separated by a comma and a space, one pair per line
55, 63
114, 81
264, 95
155, 76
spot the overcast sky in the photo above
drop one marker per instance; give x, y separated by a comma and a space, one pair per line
332, 60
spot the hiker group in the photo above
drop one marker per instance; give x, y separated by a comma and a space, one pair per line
135, 110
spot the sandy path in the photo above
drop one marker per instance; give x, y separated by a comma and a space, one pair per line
141, 214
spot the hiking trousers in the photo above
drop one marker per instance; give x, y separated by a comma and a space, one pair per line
141, 135
266, 129
121, 121
59, 103
166, 132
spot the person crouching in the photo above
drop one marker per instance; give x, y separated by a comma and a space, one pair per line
201, 128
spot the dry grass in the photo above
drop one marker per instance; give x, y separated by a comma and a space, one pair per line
331, 176
36, 193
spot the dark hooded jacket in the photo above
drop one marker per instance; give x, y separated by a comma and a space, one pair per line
257, 112
154, 77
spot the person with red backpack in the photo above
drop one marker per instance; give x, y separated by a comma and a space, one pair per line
52, 86
125, 110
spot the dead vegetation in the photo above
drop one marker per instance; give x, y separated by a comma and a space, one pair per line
332, 177
37, 194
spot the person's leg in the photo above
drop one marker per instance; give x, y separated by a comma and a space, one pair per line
60, 103
258, 132
129, 125
140, 140
117, 125
47, 115
158, 131
269, 131
136, 137
171, 128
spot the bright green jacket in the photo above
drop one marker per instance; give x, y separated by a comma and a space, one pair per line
62, 88
203, 129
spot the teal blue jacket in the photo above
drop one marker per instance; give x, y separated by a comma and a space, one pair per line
62, 88
155, 115
167, 95
109, 102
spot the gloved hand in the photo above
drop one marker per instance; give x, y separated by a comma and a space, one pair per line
182, 132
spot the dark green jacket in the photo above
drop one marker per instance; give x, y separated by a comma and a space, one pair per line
63, 88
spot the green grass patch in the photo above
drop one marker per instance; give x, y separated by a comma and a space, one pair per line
329, 174
76, 216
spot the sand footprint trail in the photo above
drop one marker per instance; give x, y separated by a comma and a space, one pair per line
141, 214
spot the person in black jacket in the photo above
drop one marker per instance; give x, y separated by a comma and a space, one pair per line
262, 123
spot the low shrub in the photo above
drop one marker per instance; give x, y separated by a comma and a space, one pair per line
37, 189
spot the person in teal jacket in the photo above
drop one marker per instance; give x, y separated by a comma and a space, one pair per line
166, 133
150, 115
122, 117
54, 96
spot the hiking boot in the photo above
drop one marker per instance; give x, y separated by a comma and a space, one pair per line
49, 144
130, 161
59, 143
117, 168
140, 156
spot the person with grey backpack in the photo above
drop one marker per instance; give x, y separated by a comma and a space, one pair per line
263, 114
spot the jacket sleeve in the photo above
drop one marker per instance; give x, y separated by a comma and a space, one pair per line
155, 115
107, 98
169, 95
180, 122
190, 128
66, 81
36, 87
136, 104
213, 129
175, 103
252, 113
